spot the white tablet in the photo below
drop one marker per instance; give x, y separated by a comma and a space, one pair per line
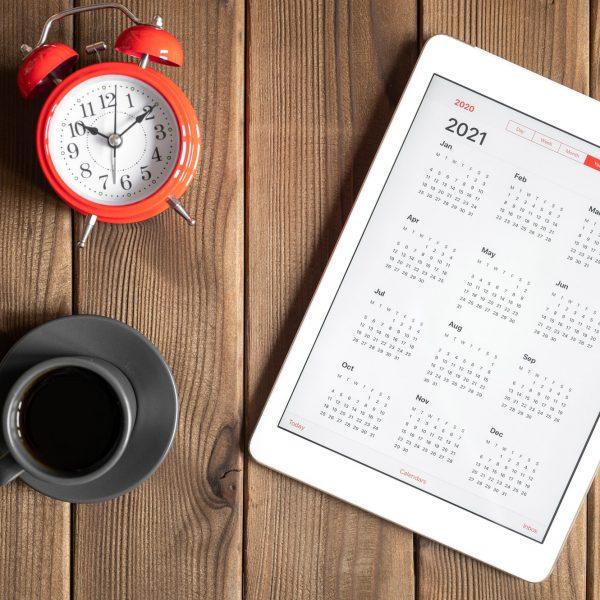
447, 373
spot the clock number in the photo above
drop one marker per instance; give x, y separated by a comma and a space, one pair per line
86, 172
145, 173
84, 109
125, 182
76, 128
156, 155
160, 132
128, 96
105, 177
150, 116
73, 150
110, 97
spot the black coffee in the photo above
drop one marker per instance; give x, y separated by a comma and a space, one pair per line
71, 420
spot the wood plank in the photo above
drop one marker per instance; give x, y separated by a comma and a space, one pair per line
593, 499
323, 80
35, 286
180, 534
593, 535
550, 38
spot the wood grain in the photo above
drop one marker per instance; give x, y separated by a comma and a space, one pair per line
593, 536
593, 499
35, 286
323, 79
180, 534
551, 38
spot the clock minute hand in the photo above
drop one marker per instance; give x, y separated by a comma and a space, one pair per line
139, 119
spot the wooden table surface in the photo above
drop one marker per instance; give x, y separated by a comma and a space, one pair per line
293, 97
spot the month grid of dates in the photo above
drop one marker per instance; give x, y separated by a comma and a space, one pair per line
528, 212
503, 471
461, 364
454, 183
585, 249
567, 319
534, 395
494, 290
354, 406
420, 257
433, 435
387, 331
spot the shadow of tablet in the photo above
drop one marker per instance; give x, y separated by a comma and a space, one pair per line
362, 148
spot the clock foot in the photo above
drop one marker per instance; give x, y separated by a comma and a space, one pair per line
180, 210
90, 221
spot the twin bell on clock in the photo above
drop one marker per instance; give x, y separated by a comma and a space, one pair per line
118, 141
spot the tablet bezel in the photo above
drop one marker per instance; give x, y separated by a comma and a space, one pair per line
387, 497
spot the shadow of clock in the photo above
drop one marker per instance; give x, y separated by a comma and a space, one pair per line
19, 167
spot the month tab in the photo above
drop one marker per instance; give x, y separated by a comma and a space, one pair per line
455, 326
422, 399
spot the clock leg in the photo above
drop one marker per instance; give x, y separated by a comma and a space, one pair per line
90, 221
180, 210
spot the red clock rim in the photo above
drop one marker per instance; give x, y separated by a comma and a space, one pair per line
187, 159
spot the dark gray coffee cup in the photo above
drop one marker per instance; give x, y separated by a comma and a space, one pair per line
18, 459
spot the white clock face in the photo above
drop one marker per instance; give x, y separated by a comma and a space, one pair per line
113, 140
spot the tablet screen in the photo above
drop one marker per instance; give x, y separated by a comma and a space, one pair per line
460, 355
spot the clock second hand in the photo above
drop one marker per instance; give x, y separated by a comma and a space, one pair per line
114, 148
113, 164
114, 141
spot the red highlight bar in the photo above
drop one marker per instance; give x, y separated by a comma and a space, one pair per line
592, 161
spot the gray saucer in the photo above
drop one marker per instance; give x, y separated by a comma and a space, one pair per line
150, 377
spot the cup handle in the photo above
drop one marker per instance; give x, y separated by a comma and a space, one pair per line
9, 468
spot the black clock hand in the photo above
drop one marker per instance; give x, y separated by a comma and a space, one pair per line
115, 119
138, 119
92, 130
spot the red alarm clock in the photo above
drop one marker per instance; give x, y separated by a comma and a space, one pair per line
118, 142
